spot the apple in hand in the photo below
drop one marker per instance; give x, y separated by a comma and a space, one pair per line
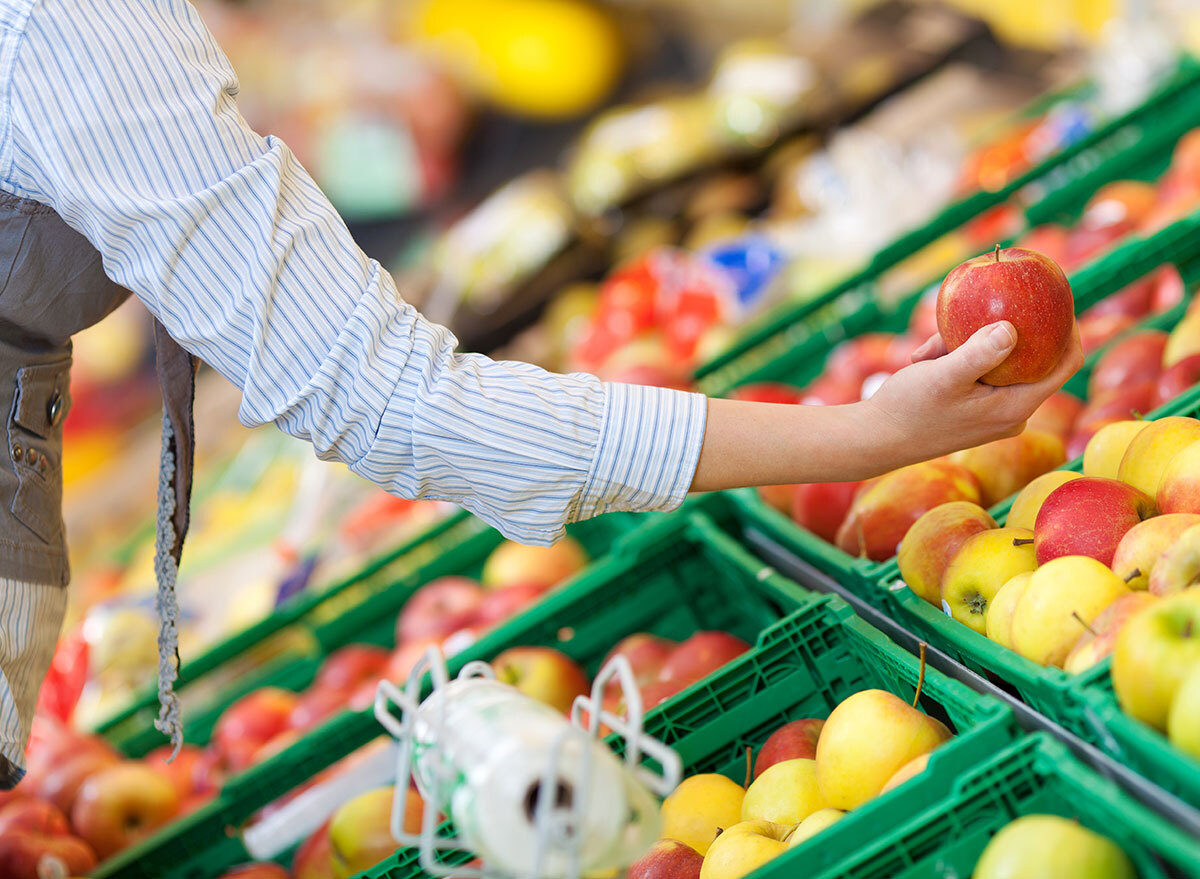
998, 622
1179, 488
1133, 360
121, 805
700, 808
668, 859
1007, 465
1025, 507
743, 848
701, 655
1152, 449
250, 722
1107, 447
1088, 517
932, 543
439, 609
1155, 651
512, 563
1143, 545
1178, 568
982, 565
1183, 720
790, 742
1098, 640
1057, 415
1062, 599
1026, 289
1177, 378
885, 508
866, 739
542, 673
821, 507
1051, 847
785, 793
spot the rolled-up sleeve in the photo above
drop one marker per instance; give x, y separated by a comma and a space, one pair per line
123, 118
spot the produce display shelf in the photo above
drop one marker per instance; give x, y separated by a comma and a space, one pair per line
286, 648
1114, 149
1177, 244
803, 667
677, 575
1076, 702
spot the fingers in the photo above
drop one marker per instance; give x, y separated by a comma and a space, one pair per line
1024, 398
931, 349
981, 353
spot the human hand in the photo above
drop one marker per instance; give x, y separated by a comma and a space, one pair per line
938, 405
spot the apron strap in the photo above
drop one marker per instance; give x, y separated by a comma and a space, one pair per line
177, 378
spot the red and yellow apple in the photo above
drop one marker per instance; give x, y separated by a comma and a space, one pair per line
743, 848
250, 722
1152, 449
785, 793
932, 543
791, 741
1178, 568
1144, 543
1179, 488
121, 805
1007, 465
1099, 639
543, 673
668, 859
1027, 503
1134, 360
983, 564
439, 609
1155, 651
512, 563
1088, 517
1057, 415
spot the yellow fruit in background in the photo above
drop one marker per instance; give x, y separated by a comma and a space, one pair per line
743, 848
541, 58
814, 824
1051, 847
1104, 451
700, 807
998, 624
1183, 720
1062, 598
1026, 505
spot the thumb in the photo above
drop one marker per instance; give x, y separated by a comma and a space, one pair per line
983, 352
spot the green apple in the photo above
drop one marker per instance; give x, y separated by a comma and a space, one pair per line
1183, 721
1051, 847
1156, 649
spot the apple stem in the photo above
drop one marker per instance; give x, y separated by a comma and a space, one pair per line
920, 677
1187, 629
997, 253
1083, 623
1022, 541
1133, 575
749, 773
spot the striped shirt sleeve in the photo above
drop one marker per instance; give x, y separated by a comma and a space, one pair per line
122, 116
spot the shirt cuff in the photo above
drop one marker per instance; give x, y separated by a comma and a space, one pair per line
649, 446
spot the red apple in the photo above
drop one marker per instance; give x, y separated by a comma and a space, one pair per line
1133, 301
832, 391
501, 604
821, 507
1126, 202
646, 653
121, 805
658, 692
251, 722
1088, 516
256, 871
1118, 405
1177, 378
855, 359
26, 854
768, 392
1057, 415
1097, 330
184, 771
1049, 239
1021, 286
316, 704
345, 668
38, 816
792, 741
439, 609
778, 497
1168, 289
1086, 242
668, 859
314, 858
701, 655
542, 673
60, 785
1132, 361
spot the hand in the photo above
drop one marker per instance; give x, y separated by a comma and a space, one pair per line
938, 405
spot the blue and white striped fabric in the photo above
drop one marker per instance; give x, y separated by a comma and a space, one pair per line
121, 115
30, 617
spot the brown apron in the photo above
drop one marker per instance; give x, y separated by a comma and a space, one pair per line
54, 285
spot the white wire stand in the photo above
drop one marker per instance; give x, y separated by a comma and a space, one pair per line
556, 826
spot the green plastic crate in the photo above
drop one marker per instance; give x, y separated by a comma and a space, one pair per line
677, 575
804, 667
1116, 149
287, 648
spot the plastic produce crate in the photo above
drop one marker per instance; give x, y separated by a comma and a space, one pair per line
1117, 145
287, 647
677, 575
804, 667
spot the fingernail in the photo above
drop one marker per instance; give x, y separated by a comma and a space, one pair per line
1003, 337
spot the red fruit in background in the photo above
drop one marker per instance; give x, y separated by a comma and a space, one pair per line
1085, 243
922, 323
314, 858
701, 655
594, 347
251, 722
628, 300
767, 392
278, 743
195, 801
1095, 331
657, 692
60, 785
646, 654
1079, 438
1132, 361
1180, 199
855, 359
1177, 378
256, 871
1117, 405
1021, 286
501, 604
1088, 516
1185, 160
778, 497
667, 859
832, 391
1134, 301
345, 668
1122, 202
405, 658
649, 376
821, 507
792, 741
316, 704
65, 678
187, 771
22, 851
439, 609
1057, 415
902, 349
1168, 289
1050, 240
543, 673
122, 805
38, 816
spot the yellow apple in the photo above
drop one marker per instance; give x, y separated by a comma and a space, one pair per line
785, 793
814, 824
743, 848
911, 769
1183, 720
1143, 545
1152, 449
1062, 598
1179, 488
1006, 465
1004, 604
1178, 567
983, 564
1155, 651
1051, 847
866, 739
1098, 641
1024, 510
1104, 451
699, 808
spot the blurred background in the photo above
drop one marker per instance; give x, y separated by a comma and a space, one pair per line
618, 187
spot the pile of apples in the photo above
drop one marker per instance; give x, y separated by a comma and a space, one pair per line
1091, 564
808, 774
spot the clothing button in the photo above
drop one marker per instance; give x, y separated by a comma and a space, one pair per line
54, 409
31, 457
42, 464
18, 453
